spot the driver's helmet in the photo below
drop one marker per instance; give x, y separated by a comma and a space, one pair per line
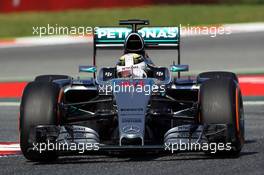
131, 65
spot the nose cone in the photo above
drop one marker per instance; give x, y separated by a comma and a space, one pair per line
131, 104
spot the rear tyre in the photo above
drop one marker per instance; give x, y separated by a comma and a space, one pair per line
217, 74
38, 107
221, 103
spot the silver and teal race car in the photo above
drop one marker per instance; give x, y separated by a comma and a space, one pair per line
134, 105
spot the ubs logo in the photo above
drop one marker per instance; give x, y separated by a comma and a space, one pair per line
108, 74
159, 73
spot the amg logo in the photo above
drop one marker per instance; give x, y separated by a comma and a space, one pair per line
131, 109
131, 120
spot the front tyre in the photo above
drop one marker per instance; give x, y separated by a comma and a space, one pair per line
38, 107
217, 75
221, 103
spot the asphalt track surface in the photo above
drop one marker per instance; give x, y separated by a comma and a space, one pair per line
236, 52
249, 162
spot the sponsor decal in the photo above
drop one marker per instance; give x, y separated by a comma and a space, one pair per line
131, 120
131, 109
146, 33
130, 129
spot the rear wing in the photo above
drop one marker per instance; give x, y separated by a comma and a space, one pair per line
154, 37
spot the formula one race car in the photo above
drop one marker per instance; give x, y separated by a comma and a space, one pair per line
134, 105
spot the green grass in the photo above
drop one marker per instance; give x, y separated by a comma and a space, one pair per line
20, 24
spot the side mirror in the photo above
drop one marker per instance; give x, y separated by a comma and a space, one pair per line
89, 69
179, 68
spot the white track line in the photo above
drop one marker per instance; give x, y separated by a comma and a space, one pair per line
10, 147
7, 149
9, 103
246, 103
253, 103
245, 27
62, 39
